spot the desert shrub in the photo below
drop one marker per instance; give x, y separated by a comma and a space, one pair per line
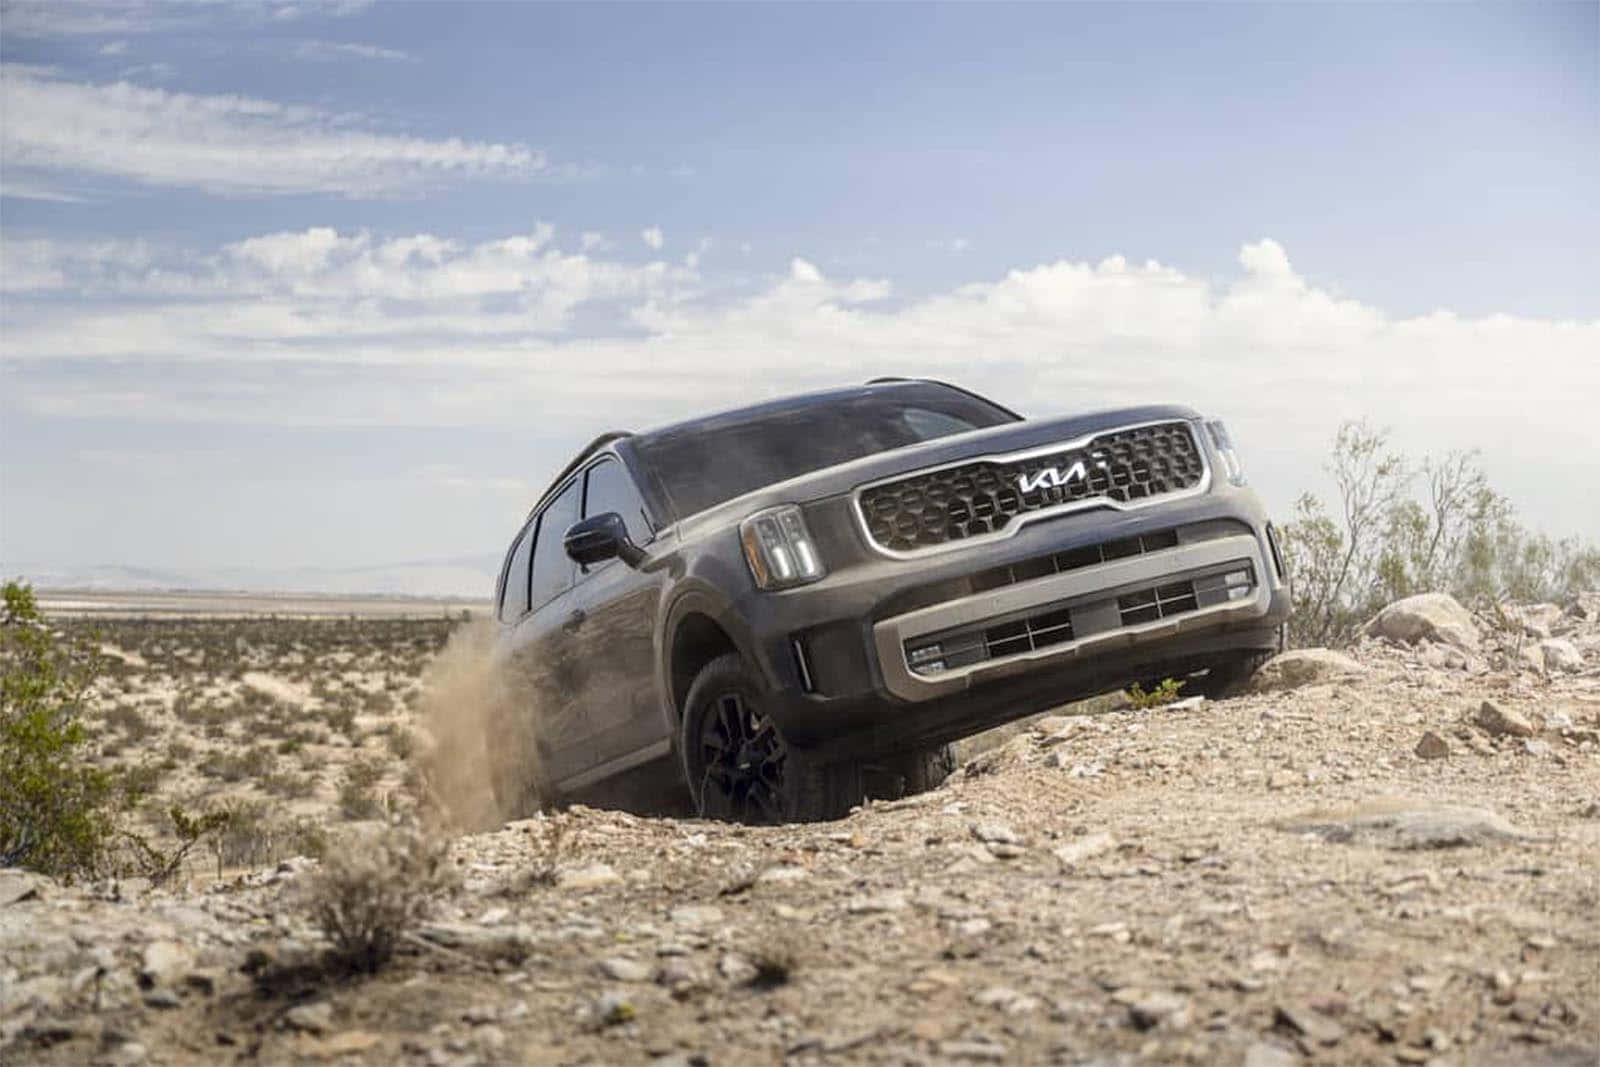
402, 742
130, 721
357, 801
288, 784
369, 896
1402, 528
57, 811
234, 766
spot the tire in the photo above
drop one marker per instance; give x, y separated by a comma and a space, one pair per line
917, 771
1229, 677
739, 766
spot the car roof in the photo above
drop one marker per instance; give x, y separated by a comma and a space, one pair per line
767, 407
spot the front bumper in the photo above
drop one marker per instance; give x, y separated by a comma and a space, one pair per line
834, 653
1084, 607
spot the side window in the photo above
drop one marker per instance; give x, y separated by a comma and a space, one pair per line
514, 597
552, 567
610, 489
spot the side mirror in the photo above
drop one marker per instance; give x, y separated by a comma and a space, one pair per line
599, 538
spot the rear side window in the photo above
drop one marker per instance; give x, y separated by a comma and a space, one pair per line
514, 597
552, 567
610, 489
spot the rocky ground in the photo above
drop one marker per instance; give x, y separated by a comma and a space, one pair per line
1387, 858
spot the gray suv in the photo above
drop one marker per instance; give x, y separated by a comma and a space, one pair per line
776, 611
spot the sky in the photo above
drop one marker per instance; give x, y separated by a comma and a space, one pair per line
343, 284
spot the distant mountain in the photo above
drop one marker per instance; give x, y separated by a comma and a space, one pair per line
463, 576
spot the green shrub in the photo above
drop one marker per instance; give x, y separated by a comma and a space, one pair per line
57, 812
1163, 694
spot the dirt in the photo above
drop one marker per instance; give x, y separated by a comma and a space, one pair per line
1285, 877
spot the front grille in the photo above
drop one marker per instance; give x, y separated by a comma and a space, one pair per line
985, 496
1061, 622
1072, 559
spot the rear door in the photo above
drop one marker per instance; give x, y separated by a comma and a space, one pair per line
547, 670
617, 634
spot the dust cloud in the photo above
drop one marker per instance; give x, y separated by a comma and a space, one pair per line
482, 767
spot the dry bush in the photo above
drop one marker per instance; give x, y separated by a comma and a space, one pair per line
368, 896
1387, 541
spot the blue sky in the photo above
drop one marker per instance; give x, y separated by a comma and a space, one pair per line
384, 265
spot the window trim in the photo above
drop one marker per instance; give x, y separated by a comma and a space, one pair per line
536, 521
505, 571
551, 498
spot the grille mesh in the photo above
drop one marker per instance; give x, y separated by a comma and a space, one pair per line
982, 497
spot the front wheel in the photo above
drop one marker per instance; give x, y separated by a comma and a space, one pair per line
739, 766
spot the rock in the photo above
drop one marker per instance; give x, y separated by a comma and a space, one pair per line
126, 1054
1405, 825
696, 915
203, 982
345, 1043
1432, 746
995, 833
872, 904
1304, 666
1560, 655
622, 969
736, 969
313, 1018
1500, 722
1314, 1027
781, 875
1533, 746
979, 1051
1532, 658
1266, 1054
1006, 1000
1434, 616
1075, 852
161, 999
163, 963
1187, 704
612, 1009
1146, 1010
590, 876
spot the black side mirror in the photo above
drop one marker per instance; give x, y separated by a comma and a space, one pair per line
599, 538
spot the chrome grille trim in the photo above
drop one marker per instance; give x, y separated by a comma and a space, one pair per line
1022, 519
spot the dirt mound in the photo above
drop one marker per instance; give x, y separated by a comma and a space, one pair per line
1130, 886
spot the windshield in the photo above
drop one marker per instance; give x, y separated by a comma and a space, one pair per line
703, 463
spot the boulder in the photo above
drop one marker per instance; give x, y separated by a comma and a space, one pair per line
1501, 722
1434, 616
1304, 666
1560, 655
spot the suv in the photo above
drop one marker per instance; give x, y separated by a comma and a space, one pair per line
789, 605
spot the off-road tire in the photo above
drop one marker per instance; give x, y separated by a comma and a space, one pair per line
807, 791
1231, 676
918, 771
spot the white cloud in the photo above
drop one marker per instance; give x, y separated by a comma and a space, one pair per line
593, 241
330, 51
653, 237
114, 48
99, 18
484, 333
225, 144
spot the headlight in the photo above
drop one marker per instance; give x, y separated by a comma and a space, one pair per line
779, 548
1224, 448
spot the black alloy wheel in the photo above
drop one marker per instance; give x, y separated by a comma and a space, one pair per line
743, 760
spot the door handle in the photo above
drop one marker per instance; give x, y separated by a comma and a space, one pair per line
574, 621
